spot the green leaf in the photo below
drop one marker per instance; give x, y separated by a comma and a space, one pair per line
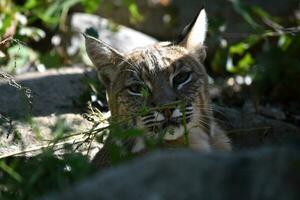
90, 6
5, 22
284, 42
51, 59
260, 12
51, 14
31, 4
10, 171
245, 63
243, 10
238, 48
134, 11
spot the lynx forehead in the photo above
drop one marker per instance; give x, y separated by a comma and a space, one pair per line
159, 75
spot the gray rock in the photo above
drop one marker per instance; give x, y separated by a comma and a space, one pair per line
35, 134
259, 174
123, 38
55, 97
53, 92
249, 129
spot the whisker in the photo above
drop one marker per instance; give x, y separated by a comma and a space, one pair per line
153, 122
186, 115
213, 108
204, 123
189, 112
145, 115
148, 118
189, 109
216, 119
181, 118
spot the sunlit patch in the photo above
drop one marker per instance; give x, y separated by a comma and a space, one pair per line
230, 81
248, 80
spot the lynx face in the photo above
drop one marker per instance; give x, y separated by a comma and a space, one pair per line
157, 76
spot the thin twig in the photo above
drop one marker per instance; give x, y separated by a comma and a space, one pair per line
249, 129
283, 31
37, 148
3, 42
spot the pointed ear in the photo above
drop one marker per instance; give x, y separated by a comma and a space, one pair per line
104, 57
194, 35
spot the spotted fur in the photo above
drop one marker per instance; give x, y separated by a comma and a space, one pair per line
168, 72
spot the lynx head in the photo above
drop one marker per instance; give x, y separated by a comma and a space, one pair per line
155, 76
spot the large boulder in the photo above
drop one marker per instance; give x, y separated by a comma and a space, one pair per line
50, 107
54, 91
248, 128
120, 37
258, 174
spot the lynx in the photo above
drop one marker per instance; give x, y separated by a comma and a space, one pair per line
169, 72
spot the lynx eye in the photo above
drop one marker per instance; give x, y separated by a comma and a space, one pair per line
135, 89
181, 79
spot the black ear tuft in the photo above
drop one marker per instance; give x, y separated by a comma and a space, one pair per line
92, 32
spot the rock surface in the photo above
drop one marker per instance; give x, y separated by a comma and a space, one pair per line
123, 38
248, 129
53, 92
259, 174
55, 95
33, 135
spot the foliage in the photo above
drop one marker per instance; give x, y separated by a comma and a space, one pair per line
268, 56
28, 178
33, 21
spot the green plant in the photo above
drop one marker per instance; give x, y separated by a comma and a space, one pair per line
30, 21
267, 56
29, 178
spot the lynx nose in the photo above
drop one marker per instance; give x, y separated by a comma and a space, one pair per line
167, 112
